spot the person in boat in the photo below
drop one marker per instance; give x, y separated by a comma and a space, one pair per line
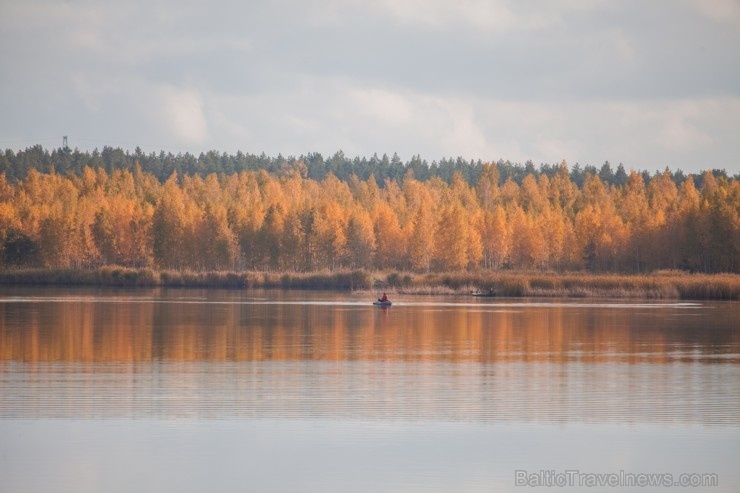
383, 299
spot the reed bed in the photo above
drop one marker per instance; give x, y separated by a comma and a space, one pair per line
659, 285
128, 277
355, 280
105, 276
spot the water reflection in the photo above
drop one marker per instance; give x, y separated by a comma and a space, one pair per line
136, 328
318, 355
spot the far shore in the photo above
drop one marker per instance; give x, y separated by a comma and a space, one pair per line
657, 285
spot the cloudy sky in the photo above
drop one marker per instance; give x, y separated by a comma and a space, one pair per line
646, 83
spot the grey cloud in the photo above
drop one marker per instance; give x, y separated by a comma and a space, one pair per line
585, 81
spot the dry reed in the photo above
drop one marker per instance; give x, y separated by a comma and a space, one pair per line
659, 285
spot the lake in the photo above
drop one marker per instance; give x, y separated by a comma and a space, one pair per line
214, 390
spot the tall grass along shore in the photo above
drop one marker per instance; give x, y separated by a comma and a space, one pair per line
658, 285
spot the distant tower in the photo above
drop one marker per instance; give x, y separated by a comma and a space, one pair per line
64, 142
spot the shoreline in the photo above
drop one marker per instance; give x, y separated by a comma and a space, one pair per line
658, 285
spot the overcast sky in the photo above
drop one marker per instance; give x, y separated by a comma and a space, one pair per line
646, 83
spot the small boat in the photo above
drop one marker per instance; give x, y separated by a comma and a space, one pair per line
382, 303
483, 294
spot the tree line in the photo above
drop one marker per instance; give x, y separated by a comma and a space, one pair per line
288, 221
16, 166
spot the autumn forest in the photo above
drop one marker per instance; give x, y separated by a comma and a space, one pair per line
284, 220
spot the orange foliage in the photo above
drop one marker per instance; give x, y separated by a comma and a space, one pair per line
260, 221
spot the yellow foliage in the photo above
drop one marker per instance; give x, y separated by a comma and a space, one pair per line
262, 221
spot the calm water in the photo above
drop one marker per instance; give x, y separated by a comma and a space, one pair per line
189, 390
